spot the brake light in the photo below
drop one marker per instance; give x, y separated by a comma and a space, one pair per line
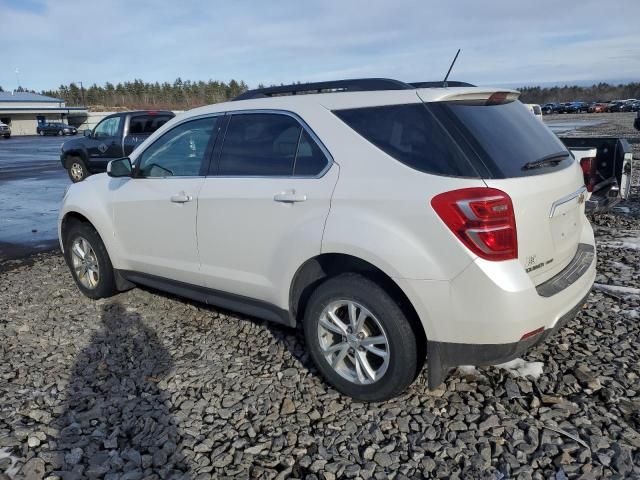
497, 98
482, 218
588, 165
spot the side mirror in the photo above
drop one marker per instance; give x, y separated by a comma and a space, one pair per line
120, 167
87, 133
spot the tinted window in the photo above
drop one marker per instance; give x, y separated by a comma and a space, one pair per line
109, 127
147, 124
259, 144
310, 160
412, 135
505, 136
179, 152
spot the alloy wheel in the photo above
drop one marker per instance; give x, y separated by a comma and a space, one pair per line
77, 173
85, 263
353, 342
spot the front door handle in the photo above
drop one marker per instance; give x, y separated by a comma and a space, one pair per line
289, 197
181, 198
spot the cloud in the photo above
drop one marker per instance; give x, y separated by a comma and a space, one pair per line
55, 42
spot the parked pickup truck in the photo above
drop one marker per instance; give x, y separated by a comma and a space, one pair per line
116, 136
606, 163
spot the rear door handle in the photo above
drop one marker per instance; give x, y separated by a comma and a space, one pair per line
289, 197
181, 198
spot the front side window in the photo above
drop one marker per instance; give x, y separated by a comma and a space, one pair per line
267, 144
179, 152
109, 127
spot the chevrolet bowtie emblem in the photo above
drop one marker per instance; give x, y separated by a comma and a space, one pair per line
581, 199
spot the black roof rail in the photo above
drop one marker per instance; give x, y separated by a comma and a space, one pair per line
356, 85
440, 84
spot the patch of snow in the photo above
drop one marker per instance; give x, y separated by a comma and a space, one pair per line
620, 265
468, 369
12, 471
521, 368
617, 289
632, 243
621, 209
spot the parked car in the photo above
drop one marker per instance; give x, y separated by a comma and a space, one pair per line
628, 105
361, 215
576, 107
635, 106
535, 110
549, 108
56, 128
115, 136
598, 107
615, 106
5, 130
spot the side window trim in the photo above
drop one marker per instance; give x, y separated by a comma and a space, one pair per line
215, 164
206, 160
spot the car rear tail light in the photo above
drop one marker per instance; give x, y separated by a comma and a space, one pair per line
588, 165
482, 218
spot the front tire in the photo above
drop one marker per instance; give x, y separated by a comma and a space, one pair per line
360, 339
89, 261
77, 169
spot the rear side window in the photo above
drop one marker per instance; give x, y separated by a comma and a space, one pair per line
412, 135
147, 124
266, 144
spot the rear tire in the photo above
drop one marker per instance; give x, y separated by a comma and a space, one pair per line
350, 354
89, 261
77, 169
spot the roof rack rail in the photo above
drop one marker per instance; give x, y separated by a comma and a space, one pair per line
440, 84
356, 85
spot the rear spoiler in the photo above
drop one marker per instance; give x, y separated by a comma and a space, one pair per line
481, 96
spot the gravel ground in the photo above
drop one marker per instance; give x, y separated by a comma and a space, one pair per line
145, 385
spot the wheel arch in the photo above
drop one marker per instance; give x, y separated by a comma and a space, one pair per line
321, 267
81, 154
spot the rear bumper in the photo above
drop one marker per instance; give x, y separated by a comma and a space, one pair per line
481, 316
445, 355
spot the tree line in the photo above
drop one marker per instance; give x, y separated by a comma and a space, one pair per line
602, 92
183, 95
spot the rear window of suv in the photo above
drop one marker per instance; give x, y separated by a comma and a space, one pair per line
460, 139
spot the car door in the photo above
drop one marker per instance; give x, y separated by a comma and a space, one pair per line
105, 142
262, 210
155, 210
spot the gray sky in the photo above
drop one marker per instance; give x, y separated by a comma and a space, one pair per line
503, 42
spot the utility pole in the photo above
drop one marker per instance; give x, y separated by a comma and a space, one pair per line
82, 94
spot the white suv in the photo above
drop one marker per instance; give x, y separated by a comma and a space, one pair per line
395, 222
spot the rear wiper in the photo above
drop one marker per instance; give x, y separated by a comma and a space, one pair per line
554, 158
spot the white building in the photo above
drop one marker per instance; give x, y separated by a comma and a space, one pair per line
22, 111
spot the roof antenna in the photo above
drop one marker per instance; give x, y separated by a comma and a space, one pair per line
444, 82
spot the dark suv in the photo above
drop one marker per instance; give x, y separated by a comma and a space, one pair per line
116, 136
